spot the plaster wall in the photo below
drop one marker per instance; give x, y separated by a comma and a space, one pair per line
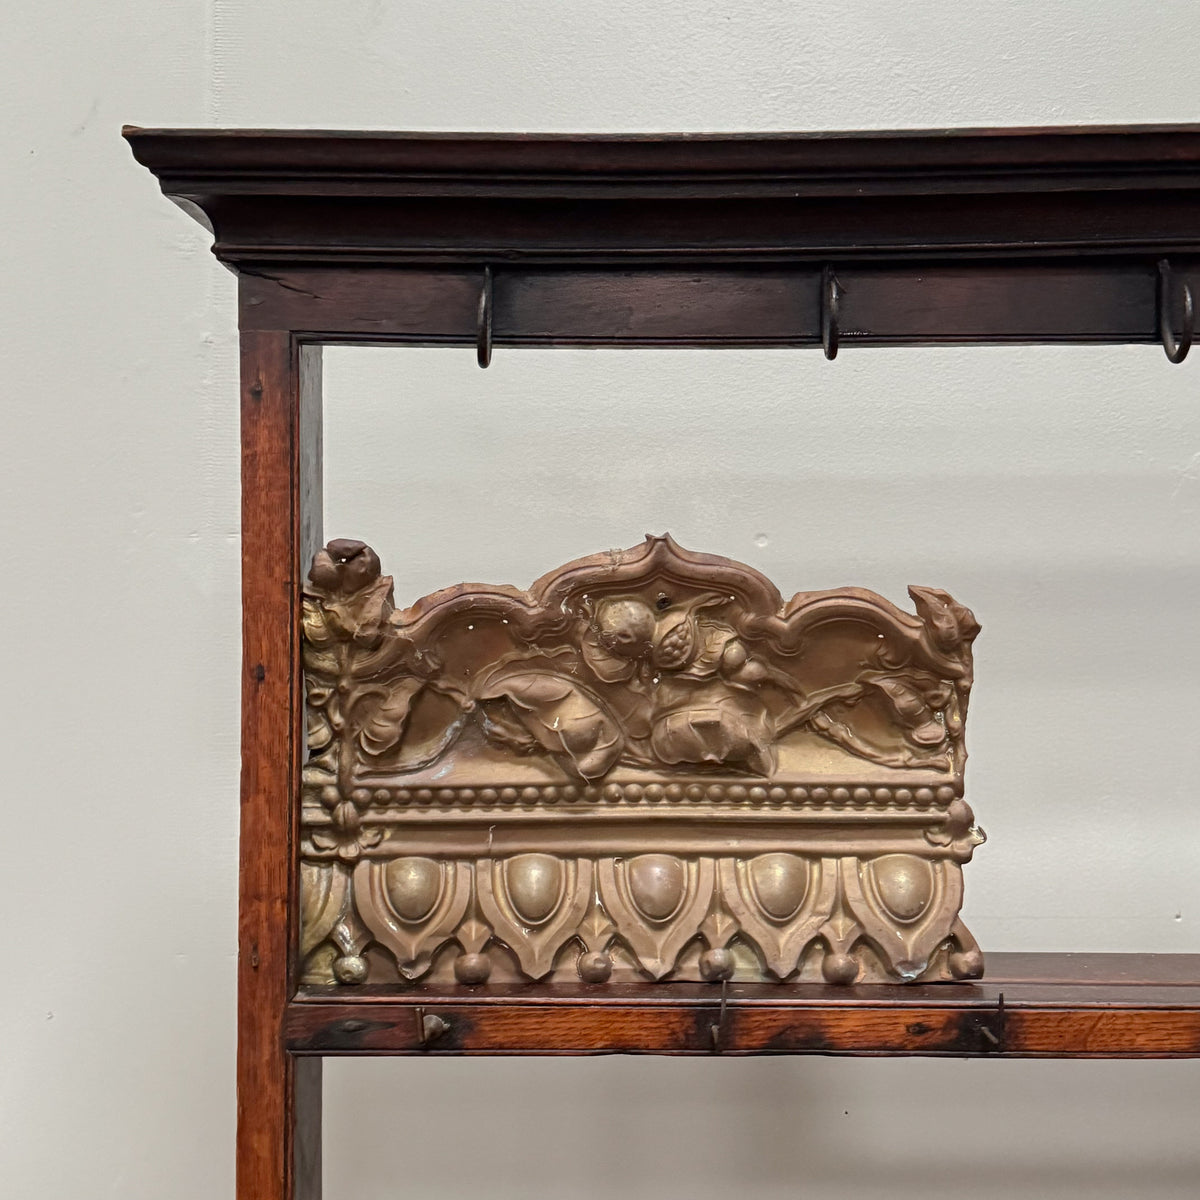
1055, 491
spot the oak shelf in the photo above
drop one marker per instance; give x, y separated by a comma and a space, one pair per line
1029, 1006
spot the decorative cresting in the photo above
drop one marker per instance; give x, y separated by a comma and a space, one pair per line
647, 766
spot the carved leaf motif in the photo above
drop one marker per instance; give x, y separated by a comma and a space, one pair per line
715, 734
595, 931
533, 689
316, 629
320, 731
563, 717
383, 731
319, 718
719, 928
324, 892
598, 665
949, 622
500, 728
958, 831
933, 609
912, 708
361, 617
605, 666
473, 935
323, 663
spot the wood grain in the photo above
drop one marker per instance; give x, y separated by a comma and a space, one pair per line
276, 1097
1096, 1006
920, 304
274, 198
1035, 1031
967, 236
338, 162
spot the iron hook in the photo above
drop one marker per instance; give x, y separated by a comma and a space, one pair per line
996, 1039
483, 327
831, 299
430, 1027
715, 1031
1176, 351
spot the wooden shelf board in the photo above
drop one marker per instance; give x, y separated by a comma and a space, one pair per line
1063, 1006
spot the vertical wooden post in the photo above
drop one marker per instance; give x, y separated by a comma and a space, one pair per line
279, 1097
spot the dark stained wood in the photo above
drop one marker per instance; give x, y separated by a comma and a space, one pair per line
938, 236
1030, 1026
762, 164
298, 197
306, 1181
278, 1099
1111, 1006
1054, 302
268, 231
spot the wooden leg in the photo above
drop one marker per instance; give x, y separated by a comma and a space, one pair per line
306, 1127
279, 1097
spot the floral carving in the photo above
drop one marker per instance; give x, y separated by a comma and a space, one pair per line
361, 678
633, 659
527, 709
646, 766
345, 834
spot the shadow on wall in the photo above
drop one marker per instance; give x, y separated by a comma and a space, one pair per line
740, 1128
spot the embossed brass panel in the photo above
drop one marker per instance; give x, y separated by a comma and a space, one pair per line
647, 766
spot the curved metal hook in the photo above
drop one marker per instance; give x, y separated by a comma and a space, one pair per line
1176, 351
483, 325
716, 1032
831, 299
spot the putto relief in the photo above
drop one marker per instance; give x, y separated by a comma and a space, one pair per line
649, 723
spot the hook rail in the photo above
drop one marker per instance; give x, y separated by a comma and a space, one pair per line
891, 319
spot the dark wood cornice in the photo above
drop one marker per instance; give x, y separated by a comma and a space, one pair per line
303, 162
304, 197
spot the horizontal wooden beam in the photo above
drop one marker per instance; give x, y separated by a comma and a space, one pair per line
300, 198
896, 162
940, 304
1086, 1006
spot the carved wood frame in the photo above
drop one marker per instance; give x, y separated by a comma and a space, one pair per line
973, 236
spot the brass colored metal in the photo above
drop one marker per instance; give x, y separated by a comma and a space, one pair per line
647, 766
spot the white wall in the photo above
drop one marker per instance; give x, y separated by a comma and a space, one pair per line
1054, 490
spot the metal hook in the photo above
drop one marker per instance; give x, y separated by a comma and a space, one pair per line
995, 1038
483, 327
1176, 351
831, 299
715, 1031
430, 1027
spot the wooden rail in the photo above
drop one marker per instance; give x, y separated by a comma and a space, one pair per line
1083, 1005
